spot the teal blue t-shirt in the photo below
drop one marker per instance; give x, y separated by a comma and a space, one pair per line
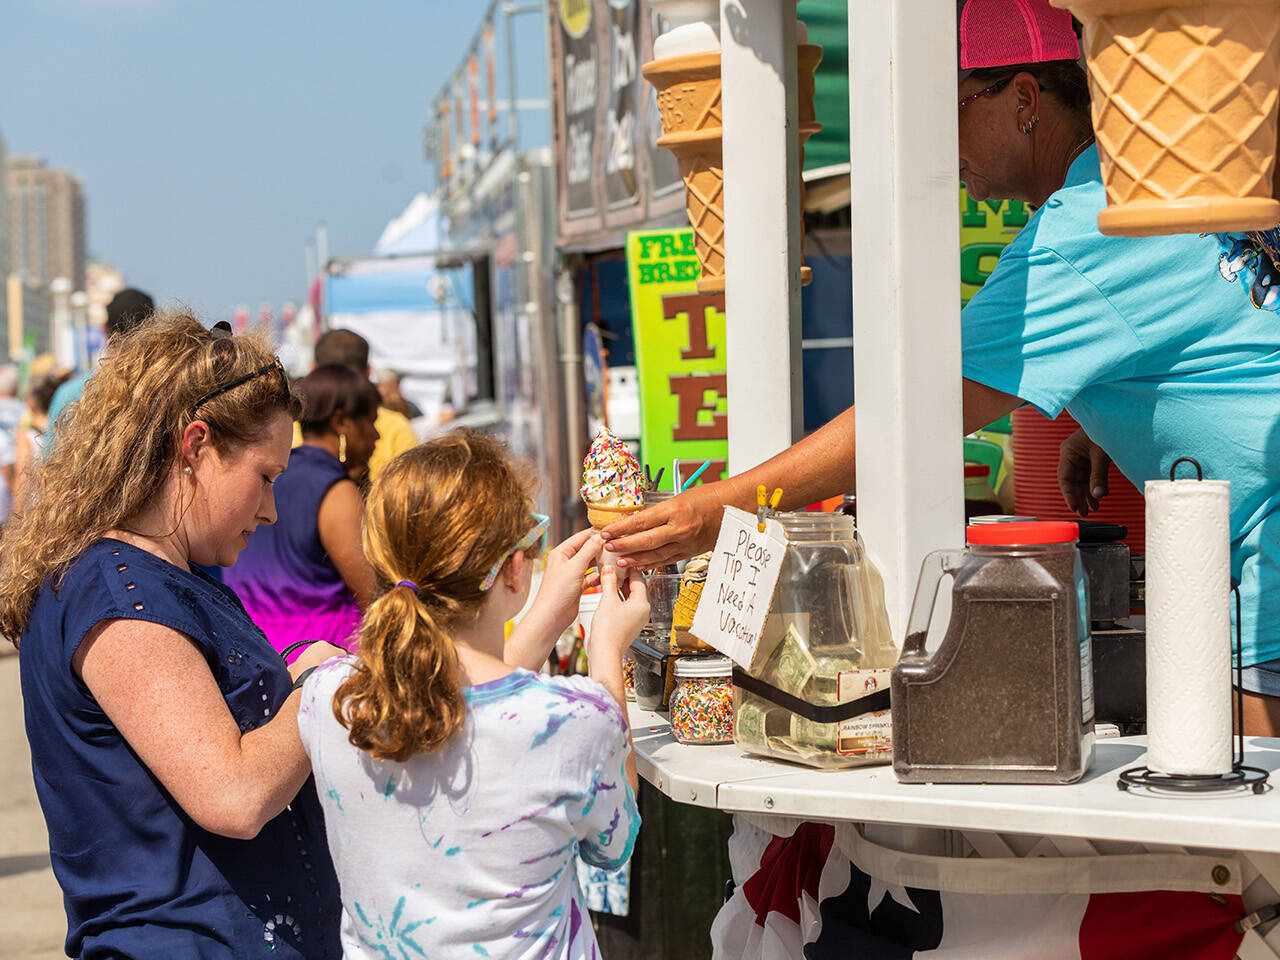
1156, 347
67, 394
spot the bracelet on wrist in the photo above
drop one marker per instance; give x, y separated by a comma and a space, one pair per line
302, 678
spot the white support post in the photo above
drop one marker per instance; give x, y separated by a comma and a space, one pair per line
906, 286
762, 227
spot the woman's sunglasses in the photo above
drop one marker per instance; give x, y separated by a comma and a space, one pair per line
994, 88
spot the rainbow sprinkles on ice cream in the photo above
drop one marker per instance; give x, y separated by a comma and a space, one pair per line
612, 482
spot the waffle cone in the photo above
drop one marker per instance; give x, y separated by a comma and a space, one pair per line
687, 604
1184, 108
689, 104
600, 515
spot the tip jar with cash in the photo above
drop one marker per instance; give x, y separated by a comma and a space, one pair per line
817, 691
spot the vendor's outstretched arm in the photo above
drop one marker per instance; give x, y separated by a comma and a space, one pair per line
686, 525
819, 466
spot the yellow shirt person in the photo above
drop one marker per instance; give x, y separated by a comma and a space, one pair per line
395, 436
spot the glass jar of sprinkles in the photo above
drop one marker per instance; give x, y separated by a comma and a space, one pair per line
629, 676
702, 702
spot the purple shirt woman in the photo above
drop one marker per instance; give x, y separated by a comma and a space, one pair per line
305, 578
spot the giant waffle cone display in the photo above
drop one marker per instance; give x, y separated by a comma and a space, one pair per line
689, 104
1184, 108
808, 56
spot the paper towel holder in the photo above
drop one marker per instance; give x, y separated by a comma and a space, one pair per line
1240, 775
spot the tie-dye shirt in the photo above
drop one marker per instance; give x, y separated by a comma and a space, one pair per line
469, 851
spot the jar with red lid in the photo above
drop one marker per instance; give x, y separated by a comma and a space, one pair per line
1007, 696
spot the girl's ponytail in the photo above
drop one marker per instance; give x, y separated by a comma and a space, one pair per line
405, 697
439, 516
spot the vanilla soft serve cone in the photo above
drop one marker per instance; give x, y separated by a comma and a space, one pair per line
612, 482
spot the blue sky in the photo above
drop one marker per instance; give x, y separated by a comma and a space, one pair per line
211, 137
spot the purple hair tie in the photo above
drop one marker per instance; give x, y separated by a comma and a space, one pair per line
410, 584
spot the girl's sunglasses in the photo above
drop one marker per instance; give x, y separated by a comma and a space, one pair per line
537, 535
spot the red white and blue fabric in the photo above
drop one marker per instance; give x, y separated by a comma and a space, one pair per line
827, 893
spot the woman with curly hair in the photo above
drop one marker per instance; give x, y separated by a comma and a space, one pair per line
163, 728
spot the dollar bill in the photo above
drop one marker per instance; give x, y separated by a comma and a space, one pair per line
791, 664
809, 733
749, 725
825, 686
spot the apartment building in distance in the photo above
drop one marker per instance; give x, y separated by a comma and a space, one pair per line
46, 227
46, 222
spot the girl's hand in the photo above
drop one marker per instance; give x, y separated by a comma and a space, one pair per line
566, 577
620, 617
556, 605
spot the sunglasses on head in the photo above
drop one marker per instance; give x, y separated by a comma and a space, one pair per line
536, 535
221, 331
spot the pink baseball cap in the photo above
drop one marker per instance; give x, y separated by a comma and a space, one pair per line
1000, 33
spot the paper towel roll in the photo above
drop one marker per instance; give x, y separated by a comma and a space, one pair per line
1188, 626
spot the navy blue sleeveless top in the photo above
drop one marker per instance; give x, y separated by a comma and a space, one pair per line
139, 877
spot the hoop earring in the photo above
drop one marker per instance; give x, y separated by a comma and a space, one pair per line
342, 448
1030, 125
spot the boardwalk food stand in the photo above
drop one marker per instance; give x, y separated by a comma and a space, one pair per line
854, 860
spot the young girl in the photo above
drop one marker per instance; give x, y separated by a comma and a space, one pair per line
457, 783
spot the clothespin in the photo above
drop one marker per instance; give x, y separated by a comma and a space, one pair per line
764, 510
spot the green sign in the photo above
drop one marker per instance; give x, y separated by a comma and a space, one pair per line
680, 356
986, 226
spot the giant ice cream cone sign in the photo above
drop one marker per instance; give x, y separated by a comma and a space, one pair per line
1184, 108
689, 104
688, 88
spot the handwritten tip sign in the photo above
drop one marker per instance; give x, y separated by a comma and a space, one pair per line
740, 583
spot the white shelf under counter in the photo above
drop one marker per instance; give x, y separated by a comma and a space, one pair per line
727, 779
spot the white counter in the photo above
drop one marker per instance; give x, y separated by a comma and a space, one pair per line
727, 779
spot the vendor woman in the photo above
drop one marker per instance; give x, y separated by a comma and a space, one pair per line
1154, 345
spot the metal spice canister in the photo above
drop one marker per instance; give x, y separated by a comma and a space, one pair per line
1007, 697
653, 680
